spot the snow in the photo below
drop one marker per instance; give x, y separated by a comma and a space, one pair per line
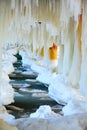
75, 106
7, 56
5, 77
7, 67
6, 90
43, 112
6, 93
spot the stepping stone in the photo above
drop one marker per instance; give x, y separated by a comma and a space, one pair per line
17, 64
18, 86
27, 101
22, 76
33, 83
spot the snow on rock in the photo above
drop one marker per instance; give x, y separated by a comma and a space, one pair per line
61, 91
12, 51
75, 106
73, 122
7, 67
25, 58
39, 69
46, 77
43, 112
5, 116
5, 77
6, 126
6, 93
6, 90
7, 56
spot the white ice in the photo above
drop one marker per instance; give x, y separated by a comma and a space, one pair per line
43, 112
6, 90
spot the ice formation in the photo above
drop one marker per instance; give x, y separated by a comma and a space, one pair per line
43, 112
27, 27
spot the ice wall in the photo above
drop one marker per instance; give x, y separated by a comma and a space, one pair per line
36, 24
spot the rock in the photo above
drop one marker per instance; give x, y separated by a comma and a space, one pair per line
2, 109
5, 126
19, 57
14, 108
26, 100
18, 86
74, 122
22, 76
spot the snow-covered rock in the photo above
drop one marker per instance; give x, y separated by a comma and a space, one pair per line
6, 93
46, 77
5, 77
75, 106
61, 91
6, 126
7, 67
6, 56
12, 51
73, 122
43, 112
5, 116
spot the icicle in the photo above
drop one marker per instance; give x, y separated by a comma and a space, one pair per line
45, 46
13, 4
83, 77
60, 58
34, 39
68, 41
21, 6
74, 75
64, 14
75, 8
36, 2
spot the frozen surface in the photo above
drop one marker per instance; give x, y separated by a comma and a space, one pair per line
6, 93
7, 56
7, 67
6, 90
73, 122
43, 112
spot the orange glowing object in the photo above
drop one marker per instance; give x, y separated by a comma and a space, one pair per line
53, 52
